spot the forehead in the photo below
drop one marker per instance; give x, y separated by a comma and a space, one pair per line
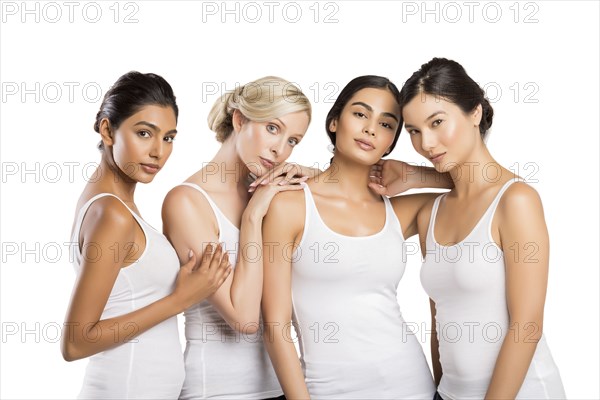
156, 114
379, 99
295, 121
423, 105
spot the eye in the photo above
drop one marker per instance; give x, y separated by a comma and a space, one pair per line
387, 126
436, 122
271, 128
144, 134
169, 139
293, 142
412, 131
359, 114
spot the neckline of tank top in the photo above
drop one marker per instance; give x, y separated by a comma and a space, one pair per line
479, 221
211, 202
373, 235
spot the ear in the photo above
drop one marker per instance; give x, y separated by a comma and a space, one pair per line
237, 120
333, 125
477, 114
106, 133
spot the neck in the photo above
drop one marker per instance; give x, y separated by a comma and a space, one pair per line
478, 171
348, 177
111, 179
227, 167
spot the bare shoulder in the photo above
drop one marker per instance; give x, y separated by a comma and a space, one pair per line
109, 211
286, 214
108, 216
288, 201
185, 201
412, 201
520, 198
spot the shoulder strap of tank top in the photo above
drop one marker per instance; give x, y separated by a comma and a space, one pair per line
310, 207
216, 211
391, 219
492, 208
434, 210
83, 210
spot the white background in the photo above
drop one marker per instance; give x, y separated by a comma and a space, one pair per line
538, 60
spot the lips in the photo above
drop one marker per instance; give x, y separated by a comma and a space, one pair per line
150, 168
267, 163
364, 144
437, 157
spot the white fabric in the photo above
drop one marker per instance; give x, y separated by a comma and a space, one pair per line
221, 363
354, 342
467, 283
149, 366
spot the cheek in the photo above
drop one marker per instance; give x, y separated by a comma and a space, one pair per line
168, 151
122, 149
416, 143
450, 134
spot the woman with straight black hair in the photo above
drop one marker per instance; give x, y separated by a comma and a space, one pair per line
485, 247
130, 286
334, 255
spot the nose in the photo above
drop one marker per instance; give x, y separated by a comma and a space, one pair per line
278, 147
428, 140
369, 128
157, 148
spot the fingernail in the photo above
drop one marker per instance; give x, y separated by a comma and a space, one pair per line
190, 254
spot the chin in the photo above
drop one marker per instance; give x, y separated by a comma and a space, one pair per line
256, 168
145, 179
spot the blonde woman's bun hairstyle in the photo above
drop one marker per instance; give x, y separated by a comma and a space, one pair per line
261, 100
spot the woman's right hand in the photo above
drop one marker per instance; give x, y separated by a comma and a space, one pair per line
201, 277
263, 195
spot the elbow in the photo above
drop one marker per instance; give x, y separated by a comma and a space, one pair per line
528, 330
71, 347
247, 327
69, 351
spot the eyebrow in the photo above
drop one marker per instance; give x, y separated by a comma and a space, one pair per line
427, 119
154, 127
368, 107
280, 121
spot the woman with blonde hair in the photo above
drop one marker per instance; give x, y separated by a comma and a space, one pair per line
258, 125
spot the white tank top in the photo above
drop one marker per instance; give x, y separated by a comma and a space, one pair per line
353, 340
149, 365
220, 362
467, 283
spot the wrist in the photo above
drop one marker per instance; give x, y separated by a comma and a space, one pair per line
251, 218
175, 302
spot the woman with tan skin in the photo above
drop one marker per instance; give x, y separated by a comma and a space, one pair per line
258, 124
338, 263
485, 248
129, 285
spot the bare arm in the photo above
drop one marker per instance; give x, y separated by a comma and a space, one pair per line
281, 226
186, 216
107, 226
524, 239
392, 177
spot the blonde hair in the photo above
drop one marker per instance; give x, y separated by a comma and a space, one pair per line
261, 100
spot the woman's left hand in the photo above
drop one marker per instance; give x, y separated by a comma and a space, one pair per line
288, 171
